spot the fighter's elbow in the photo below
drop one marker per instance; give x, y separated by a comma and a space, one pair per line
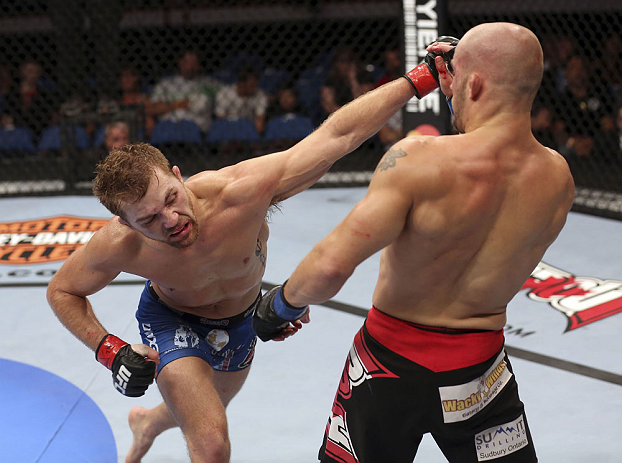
52, 294
56, 296
333, 273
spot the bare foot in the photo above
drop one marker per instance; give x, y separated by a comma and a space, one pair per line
143, 438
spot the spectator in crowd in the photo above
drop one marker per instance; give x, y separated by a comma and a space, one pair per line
131, 92
391, 132
285, 102
607, 139
392, 67
116, 135
341, 85
365, 78
609, 67
28, 103
580, 107
133, 95
243, 99
5, 84
187, 94
557, 51
542, 124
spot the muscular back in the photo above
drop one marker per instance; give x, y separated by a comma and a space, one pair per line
481, 216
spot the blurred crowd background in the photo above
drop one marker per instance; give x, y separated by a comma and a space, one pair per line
215, 82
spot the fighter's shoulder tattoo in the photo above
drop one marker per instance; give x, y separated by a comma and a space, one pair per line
389, 159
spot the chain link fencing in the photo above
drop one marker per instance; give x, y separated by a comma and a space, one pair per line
214, 82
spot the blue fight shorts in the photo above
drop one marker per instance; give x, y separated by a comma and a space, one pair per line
226, 344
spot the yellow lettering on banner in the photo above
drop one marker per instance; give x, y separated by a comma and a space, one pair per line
450, 405
458, 405
494, 376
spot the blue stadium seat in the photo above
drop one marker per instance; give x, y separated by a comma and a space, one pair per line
288, 127
98, 139
308, 91
271, 78
174, 132
16, 139
235, 62
225, 130
51, 138
226, 76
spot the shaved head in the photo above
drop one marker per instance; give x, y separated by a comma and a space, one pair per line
507, 55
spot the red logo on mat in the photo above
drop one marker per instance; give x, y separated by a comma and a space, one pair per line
583, 300
45, 240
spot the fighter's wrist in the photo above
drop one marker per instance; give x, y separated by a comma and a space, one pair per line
107, 349
422, 80
405, 76
284, 309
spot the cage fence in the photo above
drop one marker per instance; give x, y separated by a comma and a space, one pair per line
212, 83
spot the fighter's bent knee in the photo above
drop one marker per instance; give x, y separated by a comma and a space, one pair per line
210, 446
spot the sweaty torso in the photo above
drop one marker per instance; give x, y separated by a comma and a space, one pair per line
219, 275
472, 239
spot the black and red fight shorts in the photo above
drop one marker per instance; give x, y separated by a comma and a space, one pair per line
402, 380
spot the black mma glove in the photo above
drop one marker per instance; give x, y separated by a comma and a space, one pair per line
424, 78
274, 313
131, 373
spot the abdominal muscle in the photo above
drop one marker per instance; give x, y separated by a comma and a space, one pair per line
202, 302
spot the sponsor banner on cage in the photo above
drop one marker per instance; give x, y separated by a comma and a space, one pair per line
465, 400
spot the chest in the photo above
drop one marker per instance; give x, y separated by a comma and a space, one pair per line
228, 249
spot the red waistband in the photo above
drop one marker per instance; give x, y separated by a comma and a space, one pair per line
435, 348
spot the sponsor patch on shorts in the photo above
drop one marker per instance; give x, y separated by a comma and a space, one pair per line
465, 400
501, 440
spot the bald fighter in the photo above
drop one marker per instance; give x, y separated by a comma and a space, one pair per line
462, 221
202, 246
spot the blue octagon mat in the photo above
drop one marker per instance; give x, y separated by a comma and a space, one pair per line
46, 419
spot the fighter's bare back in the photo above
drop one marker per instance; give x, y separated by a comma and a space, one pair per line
482, 216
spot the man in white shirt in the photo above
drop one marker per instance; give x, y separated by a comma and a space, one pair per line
243, 99
188, 94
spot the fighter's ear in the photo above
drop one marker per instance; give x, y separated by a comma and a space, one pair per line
177, 173
476, 86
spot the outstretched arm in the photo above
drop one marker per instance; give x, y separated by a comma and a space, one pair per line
376, 221
297, 168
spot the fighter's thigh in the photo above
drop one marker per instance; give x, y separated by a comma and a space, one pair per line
374, 398
229, 383
187, 386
